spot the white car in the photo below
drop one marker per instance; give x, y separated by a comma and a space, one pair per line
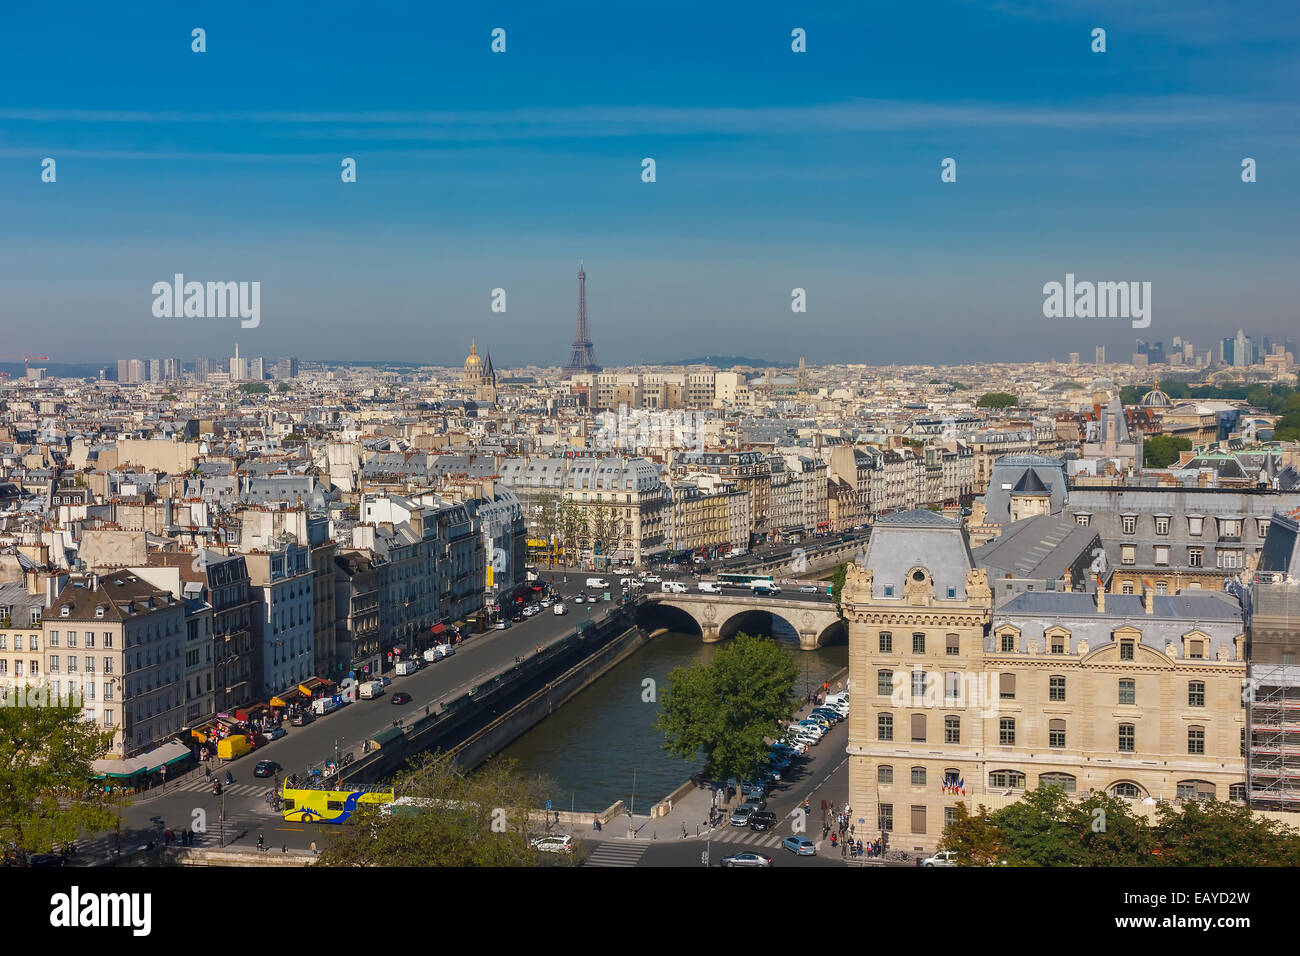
578, 599
560, 609
942, 858
652, 579
559, 843
547, 602
809, 589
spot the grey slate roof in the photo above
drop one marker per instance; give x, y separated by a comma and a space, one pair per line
907, 539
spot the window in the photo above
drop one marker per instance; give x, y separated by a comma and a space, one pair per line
1196, 694
1127, 739
918, 776
1083, 520
1162, 524
1008, 643
1229, 528
1228, 557
1126, 650
886, 642
1058, 644
953, 645
918, 683
918, 728
1237, 792
1127, 691
1195, 740
1056, 733
1006, 780
1126, 790
918, 819
1262, 526
1195, 525
885, 727
885, 817
1195, 557
1007, 731
1130, 524
949, 816
1007, 686
1056, 688
918, 643
1162, 554
72, 638
952, 685
1196, 650
1128, 554
885, 774
952, 730
1064, 781
1127, 588
884, 683
1162, 587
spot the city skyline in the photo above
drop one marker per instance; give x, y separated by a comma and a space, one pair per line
775, 170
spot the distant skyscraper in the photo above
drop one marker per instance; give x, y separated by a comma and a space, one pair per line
285, 368
582, 355
255, 373
155, 370
1101, 355
238, 367
1242, 350
201, 368
1074, 358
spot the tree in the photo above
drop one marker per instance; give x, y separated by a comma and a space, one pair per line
975, 839
727, 708
547, 507
997, 400
46, 752
1211, 833
573, 527
603, 527
254, 388
482, 818
1160, 451
283, 387
837, 582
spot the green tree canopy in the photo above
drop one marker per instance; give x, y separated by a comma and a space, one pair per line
484, 818
255, 388
1161, 451
46, 791
997, 400
1048, 828
728, 707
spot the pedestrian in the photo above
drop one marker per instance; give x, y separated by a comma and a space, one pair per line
844, 849
313, 847
683, 831
261, 843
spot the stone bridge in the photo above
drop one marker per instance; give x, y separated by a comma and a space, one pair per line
719, 616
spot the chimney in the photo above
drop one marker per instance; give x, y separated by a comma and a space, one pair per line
1148, 597
94, 581
1101, 596
1069, 584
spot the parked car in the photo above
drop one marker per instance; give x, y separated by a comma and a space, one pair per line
800, 846
746, 859
275, 733
762, 820
942, 858
560, 609
401, 697
556, 843
741, 817
266, 768
301, 719
503, 624
753, 788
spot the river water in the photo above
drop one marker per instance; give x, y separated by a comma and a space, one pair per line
602, 745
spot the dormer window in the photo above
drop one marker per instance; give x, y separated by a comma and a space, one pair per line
99, 611
65, 610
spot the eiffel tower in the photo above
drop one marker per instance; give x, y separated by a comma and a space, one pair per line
582, 356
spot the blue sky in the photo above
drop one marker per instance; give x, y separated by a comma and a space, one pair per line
775, 170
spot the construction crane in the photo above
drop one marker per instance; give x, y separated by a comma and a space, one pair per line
26, 358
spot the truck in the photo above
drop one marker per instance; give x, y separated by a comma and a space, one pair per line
236, 745
710, 587
324, 705
430, 654
370, 690
407, 667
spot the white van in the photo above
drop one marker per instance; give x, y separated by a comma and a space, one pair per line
672, 587
444, 650
560, 609
406, 667
324, 705
430, 654
597, 583
835, 700
710, 587
370, 690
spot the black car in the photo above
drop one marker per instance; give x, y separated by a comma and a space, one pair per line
762, 820
266, 768
401, 697
47, 859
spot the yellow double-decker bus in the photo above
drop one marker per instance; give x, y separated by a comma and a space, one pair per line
317, 803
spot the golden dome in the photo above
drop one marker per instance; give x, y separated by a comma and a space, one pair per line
473, 361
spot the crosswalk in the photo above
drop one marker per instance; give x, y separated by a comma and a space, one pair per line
765, 838
617, 853
200, 785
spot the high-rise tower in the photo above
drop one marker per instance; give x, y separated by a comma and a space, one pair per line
582, 356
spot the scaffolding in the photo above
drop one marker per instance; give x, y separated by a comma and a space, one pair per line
1273, 757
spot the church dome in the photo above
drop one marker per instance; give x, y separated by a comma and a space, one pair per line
1156, 398
473, 361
